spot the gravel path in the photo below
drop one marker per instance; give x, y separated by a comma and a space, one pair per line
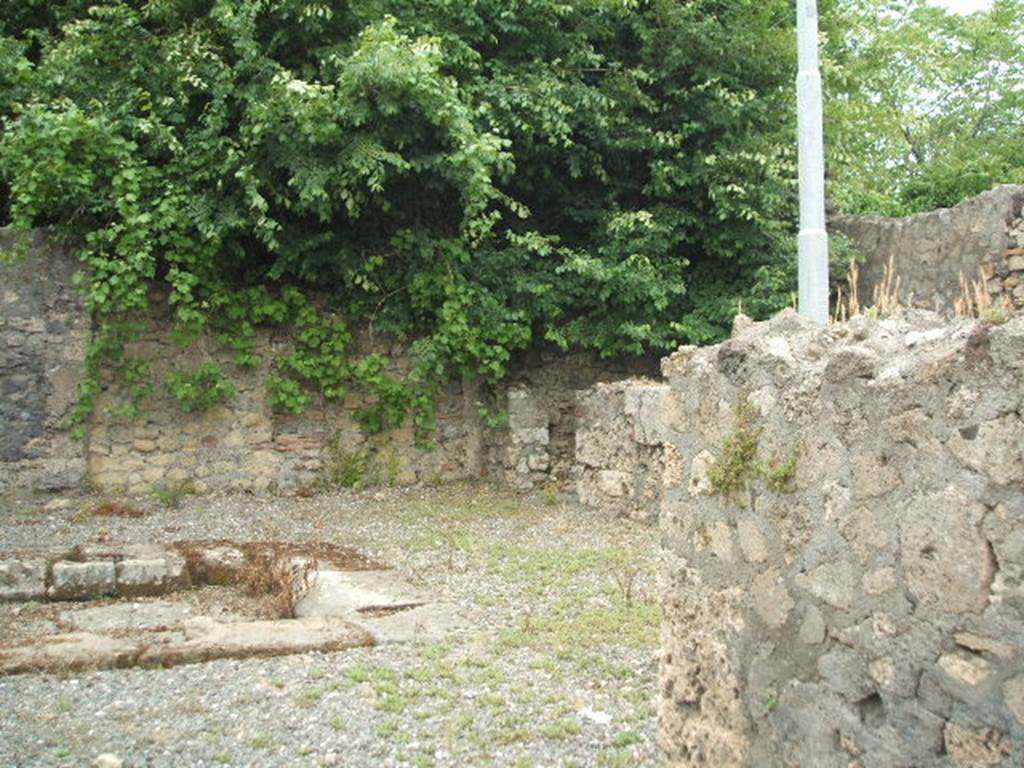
557, 670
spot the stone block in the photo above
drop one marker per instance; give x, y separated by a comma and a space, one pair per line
22, 579
152, 576
82, 581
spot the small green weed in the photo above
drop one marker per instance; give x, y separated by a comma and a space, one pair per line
562, 728
261, 741
170, 495
345, 468
738, 464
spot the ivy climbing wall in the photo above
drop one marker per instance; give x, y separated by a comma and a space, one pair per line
223, 432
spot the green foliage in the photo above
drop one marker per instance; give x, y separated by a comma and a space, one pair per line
739, 463
843, 252
344, 468
474, 177
170, 495
923, 106
201, 389
736, 465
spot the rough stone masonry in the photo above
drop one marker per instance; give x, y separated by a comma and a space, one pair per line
868, 611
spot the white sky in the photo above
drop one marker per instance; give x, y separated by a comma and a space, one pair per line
962, 6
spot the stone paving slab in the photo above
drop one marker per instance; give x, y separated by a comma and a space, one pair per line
340, 609
342, 593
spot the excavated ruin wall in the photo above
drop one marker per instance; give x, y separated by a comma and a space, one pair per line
243, 443
982, 235
43, 335
619, 457
868, 612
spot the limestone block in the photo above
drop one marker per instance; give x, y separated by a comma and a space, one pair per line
995, 448
831, 582
613, 483
22, 579
82, 581
771, 598
1013, 694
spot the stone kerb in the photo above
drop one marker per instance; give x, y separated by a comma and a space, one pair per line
869, 611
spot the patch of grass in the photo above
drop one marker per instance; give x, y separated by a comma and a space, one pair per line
361, 672
309, 697
627, 739
461, 504
224, 757
261, 741
620, 758
170, 495
338, 723
388, 729
562, 728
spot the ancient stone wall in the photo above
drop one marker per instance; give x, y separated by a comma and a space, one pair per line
540, 444
243, 444
43, 333
843, 540
931, 250
618, 447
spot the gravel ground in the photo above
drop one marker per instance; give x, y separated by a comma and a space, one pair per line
557, 670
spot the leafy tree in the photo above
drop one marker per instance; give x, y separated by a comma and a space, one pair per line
480, 176
924, 107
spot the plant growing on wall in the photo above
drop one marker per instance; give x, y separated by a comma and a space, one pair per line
201, 389
739, 463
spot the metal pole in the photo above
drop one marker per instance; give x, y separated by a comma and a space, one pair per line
812, 244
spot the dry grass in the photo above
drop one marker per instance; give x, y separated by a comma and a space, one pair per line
885, 296
976, 301
282, 579
115, 509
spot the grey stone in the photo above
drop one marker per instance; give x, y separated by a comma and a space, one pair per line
22, 579
771, 599
946, 560
831, 582
127, 616
431, 621
812, 629
82, 581
152, 576
342, 593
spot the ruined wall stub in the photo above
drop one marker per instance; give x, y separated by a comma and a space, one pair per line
44, 329
874, 615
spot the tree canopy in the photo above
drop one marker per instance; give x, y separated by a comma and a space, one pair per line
924, 107
475, 176
479, 175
